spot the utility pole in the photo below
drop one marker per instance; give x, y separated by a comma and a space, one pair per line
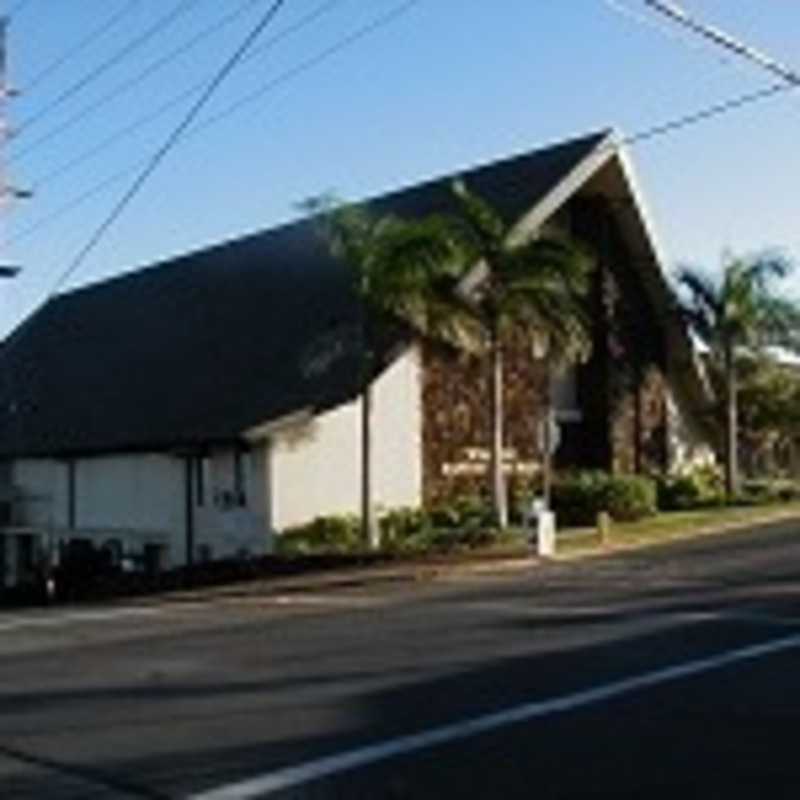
8, 193
674, 12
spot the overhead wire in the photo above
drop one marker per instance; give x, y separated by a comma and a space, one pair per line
173, 102
120, 89
279, 80
693, 118
182, 7
708, 112
625, 11
724, 40
81, 45
171, 141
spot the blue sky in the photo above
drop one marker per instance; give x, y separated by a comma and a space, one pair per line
442, 86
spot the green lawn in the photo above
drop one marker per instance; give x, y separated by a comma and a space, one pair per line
673, 525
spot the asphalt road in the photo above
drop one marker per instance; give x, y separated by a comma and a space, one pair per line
653, 674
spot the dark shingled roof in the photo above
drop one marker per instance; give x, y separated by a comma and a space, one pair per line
201, 348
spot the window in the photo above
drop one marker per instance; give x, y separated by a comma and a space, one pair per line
241, 468
202, 477
565, 396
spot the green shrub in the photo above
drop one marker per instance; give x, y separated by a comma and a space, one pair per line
769, 490
469, 511
700, 488
631, 497
580, 496
463, 524
339, 534
398, 524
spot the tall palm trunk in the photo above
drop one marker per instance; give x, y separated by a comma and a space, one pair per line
369, 530
547, 456
496, 464
731, 425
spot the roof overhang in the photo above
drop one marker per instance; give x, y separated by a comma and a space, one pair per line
271, 428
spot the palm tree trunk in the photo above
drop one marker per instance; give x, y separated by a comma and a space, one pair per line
369, 529
547, 456
498, 479
370, 533
731, 426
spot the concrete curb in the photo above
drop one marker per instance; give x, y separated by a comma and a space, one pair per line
418, 571
658, 540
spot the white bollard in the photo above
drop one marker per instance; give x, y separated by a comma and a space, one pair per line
546, 534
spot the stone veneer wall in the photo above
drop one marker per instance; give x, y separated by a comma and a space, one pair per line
457, 422
621, 390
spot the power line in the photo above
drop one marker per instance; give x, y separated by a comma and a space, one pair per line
119, 90
724, 40
705, 113
168, 145
709, 112
283, 78
181, 8
671, 126
159, 111
82, 44
641, 136
623, 10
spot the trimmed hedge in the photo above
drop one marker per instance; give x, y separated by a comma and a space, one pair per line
579, 497
464, 524
700, 488
339, 533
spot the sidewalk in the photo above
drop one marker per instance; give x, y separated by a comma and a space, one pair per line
571, 548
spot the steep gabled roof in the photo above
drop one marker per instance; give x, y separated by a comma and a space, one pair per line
201, 348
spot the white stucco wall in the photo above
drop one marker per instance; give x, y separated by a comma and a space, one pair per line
687, 448
141, 499
304, 471
135, 492
230, 531
44, 486
138, 499
315, 466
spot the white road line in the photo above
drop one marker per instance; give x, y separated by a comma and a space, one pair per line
290, 777
52, 620
318, 600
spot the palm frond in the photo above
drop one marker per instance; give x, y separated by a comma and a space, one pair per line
704, 294
761, 270
481, 227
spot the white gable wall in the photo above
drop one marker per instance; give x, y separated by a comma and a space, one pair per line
44, 486
687, 447
223, 530
135, 492
140, 499
136, 499
310, 469
315, 466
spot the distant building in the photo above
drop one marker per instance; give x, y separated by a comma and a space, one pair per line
193, 409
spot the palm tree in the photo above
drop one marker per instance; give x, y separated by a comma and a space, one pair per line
392, 264
502, 282
734, 313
